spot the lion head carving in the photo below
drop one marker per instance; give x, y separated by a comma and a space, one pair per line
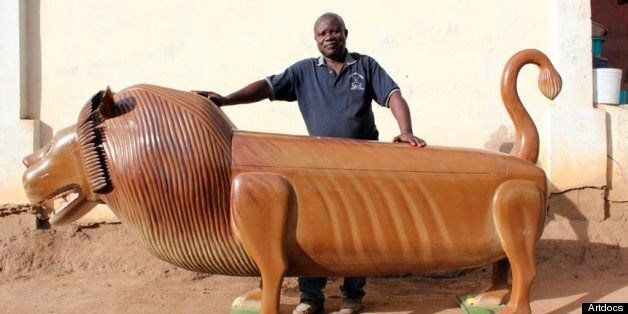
160, 159
123, 132
71, 166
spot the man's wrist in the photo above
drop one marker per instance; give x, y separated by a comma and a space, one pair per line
224, 101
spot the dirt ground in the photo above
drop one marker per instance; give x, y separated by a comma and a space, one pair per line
101, 269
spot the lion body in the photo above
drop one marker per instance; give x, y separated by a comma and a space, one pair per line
362, 207
201, 195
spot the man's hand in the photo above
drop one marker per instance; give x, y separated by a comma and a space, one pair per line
214, 97
409, 138
253, 92
400, 110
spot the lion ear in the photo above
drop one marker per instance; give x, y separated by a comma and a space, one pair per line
107, 106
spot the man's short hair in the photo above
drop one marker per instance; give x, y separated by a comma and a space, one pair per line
331, 15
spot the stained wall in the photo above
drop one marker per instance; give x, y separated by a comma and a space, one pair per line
447, 57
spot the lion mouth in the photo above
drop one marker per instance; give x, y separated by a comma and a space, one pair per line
62, 201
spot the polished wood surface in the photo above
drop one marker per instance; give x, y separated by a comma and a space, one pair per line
206, 197
285, 151
355, 217
527, 137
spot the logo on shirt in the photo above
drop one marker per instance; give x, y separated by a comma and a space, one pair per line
357, 81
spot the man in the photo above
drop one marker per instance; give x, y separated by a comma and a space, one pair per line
334, 92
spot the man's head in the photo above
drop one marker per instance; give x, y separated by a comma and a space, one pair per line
330, 34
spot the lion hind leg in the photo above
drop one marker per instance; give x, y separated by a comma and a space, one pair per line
496, 292
518, 209
260, 206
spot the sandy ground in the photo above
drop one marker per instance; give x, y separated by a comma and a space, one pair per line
101, 269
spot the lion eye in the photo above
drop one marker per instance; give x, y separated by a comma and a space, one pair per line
48, 148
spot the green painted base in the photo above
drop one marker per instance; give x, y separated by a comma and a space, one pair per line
240, 306
243, 311
466, 302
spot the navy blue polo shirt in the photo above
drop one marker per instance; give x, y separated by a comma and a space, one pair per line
336, 105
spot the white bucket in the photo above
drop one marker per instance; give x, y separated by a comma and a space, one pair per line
606, 85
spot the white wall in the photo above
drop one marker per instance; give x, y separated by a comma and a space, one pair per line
18, 135
617, 118
447, 56
576, 133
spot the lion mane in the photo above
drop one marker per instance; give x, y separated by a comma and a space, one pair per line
164, 170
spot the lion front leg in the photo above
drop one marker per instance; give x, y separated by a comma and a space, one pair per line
260, 204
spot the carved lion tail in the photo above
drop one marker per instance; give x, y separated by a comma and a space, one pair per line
527, 137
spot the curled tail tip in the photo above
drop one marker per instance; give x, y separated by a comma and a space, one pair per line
550, 82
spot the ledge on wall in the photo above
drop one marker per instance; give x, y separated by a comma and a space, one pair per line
19, 139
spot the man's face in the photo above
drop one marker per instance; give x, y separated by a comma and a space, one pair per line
330, 37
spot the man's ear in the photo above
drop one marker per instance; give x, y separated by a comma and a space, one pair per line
346, 32
107, 107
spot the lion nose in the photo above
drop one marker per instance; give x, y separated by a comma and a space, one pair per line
32, 158
27, 161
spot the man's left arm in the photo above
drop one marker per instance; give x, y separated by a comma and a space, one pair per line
401, 112
387, 94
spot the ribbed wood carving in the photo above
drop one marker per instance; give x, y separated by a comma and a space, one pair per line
201, 195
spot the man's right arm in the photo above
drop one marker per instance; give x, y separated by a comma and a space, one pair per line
253, 92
